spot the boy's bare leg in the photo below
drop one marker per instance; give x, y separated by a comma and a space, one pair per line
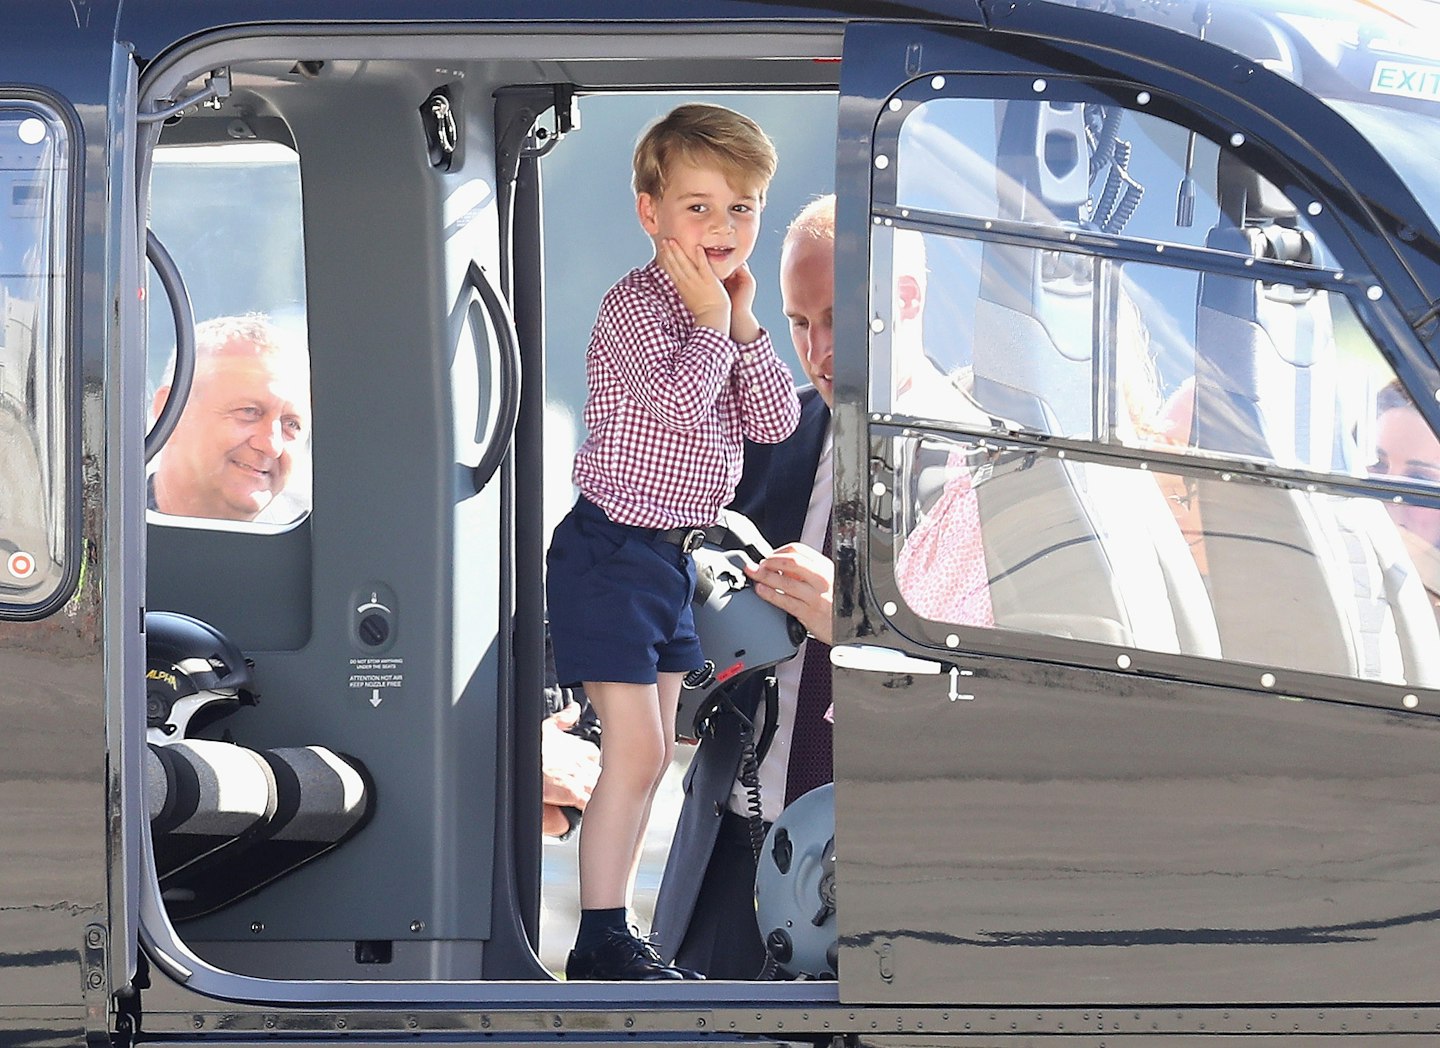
633, 746
669, 697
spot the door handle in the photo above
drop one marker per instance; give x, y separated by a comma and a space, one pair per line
509, 378
876, 659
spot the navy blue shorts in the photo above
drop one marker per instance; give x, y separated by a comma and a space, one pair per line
618, 598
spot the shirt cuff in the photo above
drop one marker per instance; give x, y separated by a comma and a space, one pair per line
756, 351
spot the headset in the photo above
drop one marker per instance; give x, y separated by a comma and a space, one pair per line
740, 633
194, 674
795, 889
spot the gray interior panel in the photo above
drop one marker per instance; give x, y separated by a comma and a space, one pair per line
382, 524
254, 588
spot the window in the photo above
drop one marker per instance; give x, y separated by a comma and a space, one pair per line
1223, 408
37, 563
230, 216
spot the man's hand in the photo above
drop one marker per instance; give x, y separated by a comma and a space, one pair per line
799, 579
740, 286
554, 823
700, 289
569, 767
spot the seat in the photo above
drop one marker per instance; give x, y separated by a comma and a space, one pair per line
206, 801
1074, 549
321, 800
226, 820
1267, 381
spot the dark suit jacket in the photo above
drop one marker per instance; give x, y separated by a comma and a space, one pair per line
774, 492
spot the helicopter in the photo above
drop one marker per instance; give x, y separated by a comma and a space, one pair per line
274, 775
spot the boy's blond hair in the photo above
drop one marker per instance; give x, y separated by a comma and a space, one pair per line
705, 135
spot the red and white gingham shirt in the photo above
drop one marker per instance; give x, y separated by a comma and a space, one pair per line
670, 405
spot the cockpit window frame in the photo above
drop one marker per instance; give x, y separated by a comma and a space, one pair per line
1028, 52
62, 565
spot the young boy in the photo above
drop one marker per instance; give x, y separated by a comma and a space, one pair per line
679, 374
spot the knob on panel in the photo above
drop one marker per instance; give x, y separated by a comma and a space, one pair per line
374, 618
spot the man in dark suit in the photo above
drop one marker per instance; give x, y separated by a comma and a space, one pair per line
705, 913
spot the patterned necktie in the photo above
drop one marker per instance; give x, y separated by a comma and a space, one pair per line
811, 743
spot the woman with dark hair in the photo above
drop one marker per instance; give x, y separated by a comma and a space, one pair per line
1406, 448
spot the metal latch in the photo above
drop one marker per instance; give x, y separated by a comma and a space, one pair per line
213, 95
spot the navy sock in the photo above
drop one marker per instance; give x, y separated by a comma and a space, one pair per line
595, 925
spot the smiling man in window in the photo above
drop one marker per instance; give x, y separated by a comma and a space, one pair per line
245, 423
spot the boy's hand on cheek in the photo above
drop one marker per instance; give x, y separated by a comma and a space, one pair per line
740, 286
700, 289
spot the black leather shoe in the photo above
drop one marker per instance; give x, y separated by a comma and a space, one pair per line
619, 957
685, 973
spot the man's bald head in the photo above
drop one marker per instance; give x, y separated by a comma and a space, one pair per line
807, 287
807, 290
815, 221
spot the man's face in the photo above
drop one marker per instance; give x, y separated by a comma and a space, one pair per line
232, 451
700, 208
807, 291
1406, 448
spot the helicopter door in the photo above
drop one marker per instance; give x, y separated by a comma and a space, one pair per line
67, 874
1113, 623
127, 643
